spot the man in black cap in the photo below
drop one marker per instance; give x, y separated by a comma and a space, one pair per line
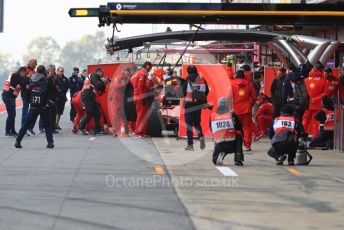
276, 91
73, 86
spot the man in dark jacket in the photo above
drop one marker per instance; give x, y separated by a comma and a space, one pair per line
10, 92
288, 91
195, 91
63, 86
52, 79
97, 76
92, 108
276, 91
30, 68
40, 102
73, 89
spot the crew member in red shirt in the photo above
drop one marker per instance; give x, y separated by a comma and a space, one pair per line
264, 114
248, 73
326, 118
244, 97
79, 109
116, 108
142, 85
230, 71
332, 84
316, 87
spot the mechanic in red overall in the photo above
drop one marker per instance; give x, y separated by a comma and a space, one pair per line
244, 97
326, 118
332, 84
248, 73
316, 87
78, 106
264, 114
116, 107
142, 86
230, 72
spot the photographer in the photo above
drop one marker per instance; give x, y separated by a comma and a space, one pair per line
195, 90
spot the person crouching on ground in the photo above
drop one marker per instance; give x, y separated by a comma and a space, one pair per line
284, 133
326, 118
264, 114
227, 134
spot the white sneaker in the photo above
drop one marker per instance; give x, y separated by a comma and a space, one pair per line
220, 158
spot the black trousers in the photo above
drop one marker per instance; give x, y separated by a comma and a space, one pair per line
299, 116
229, 147
281, 148
92, 110
32, 117
52, 116
193, 119
324, 139
72, 112
10, 103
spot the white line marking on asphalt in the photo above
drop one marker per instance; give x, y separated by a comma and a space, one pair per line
92, 138
226, 171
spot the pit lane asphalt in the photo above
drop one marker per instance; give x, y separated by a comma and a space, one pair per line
111, 183
84, 183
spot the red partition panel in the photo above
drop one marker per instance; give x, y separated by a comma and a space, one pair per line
219, 86
270, 73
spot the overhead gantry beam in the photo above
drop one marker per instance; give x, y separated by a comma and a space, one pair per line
202, 35
211, 13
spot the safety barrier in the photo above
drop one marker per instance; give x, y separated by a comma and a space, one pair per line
339, 128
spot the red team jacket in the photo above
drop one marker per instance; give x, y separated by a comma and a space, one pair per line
244, 96
141, 84
316, 87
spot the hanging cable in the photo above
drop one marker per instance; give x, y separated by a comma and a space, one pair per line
187, 46
162, 60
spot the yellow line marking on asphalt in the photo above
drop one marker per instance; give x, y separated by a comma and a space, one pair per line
159, 170
293, 171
